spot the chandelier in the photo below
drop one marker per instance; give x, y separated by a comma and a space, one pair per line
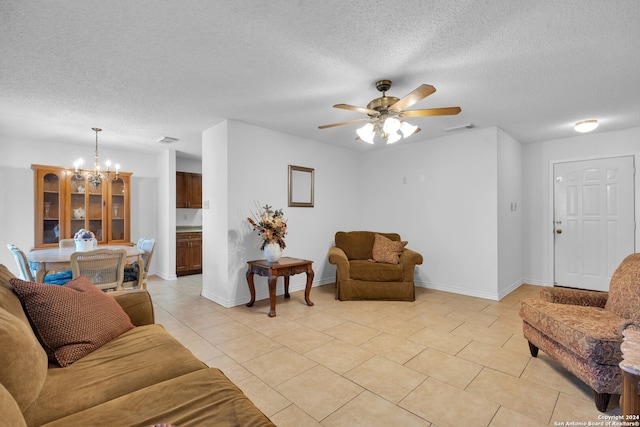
95, 176
389, 127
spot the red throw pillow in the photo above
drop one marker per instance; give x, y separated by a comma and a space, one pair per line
71, 320
386, 250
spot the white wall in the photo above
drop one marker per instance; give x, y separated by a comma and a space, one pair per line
256, 164
217, 240
17, 189
509, 211
188, 165
537, 206
441, 196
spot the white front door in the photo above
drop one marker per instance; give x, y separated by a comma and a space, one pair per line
594, 225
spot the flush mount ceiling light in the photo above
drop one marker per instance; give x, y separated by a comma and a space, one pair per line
94, 176
386, 114
586, 126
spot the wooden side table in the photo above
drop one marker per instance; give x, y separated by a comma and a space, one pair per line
286, 267
630, 366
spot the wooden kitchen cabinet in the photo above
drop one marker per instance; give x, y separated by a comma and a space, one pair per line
65, 204
188, 190
188, 253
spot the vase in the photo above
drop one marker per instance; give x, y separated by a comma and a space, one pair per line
272, 252
84, 245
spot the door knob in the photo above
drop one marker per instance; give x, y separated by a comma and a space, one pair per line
559, 231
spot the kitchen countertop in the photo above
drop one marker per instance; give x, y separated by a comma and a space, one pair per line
189, 229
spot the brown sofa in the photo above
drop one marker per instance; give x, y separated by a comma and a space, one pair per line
359, 278
582, 329
142, 377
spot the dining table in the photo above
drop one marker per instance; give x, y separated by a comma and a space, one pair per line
56, 259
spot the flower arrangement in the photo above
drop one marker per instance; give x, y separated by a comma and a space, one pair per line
83, 234
270, 225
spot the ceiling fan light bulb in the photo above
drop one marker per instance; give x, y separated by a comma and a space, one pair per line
391, 125
366, 133
393, 137
407, 129
586, 126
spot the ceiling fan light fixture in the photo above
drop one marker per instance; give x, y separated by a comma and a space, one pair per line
391, 125
386, 114
366, 133
407, 129
586, 125
393, 137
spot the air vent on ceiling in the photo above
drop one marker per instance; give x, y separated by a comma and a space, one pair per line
168, 140
462, 127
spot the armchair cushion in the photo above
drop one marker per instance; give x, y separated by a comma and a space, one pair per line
591, 333
386, 250
71, 320
624, 292
362, 270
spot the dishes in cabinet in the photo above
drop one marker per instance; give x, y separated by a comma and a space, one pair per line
78, 213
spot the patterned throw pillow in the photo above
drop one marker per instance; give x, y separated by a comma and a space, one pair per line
386, 250
71, 320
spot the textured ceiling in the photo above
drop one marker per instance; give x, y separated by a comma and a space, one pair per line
142, 70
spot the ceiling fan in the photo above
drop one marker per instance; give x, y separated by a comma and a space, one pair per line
386, 114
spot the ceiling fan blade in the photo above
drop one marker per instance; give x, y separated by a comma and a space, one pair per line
418, 94
343, 123
448, 111
358, 109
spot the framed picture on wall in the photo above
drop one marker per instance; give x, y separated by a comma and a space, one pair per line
301, 186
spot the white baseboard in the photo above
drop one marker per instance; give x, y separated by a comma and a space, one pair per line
461, 291
536, 282
262, 293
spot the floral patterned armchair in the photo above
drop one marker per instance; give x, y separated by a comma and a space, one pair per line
582, 330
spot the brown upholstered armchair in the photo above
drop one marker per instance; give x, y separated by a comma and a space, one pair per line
582, 330
358, 278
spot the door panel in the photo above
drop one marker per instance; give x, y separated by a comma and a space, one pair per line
594, 220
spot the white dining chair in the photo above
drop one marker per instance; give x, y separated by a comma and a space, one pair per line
103, 267
67, 243
23, 264
138, 273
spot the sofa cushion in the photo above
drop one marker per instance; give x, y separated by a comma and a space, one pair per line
137, 359
202, 398
590, 332
624, 292
359, 244
369, 272
11, 415
386, 250
23, 362
71, 320
5, 275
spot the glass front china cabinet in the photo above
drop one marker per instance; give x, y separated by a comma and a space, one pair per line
66, 203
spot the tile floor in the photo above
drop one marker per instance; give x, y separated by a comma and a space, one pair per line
443, 360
